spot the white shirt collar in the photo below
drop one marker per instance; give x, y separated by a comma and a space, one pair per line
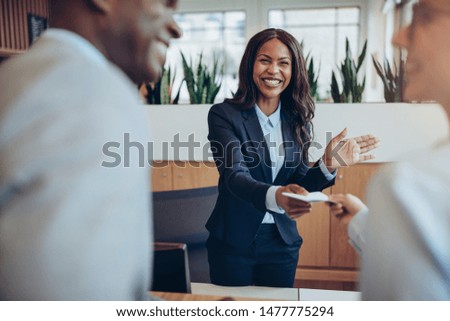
272, 119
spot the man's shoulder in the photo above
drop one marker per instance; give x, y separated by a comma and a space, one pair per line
425, 161
41, 74
423, 180
42, 86
51, 59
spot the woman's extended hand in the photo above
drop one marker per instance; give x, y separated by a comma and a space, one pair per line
342, 152
294, 208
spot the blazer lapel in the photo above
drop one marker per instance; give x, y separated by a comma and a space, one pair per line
255, 133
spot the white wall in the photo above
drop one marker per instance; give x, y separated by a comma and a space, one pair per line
402, 128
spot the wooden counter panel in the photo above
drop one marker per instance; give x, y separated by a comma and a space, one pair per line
315, 231
327, 275
169, 175
162, 176
349, 180
188, 175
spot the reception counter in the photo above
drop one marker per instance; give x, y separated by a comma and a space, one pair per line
211, 292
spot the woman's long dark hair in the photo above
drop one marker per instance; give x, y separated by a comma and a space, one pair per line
296, 99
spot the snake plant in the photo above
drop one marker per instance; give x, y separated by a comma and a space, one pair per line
202, 83
391, 78
160, 92
313, 77
351, 89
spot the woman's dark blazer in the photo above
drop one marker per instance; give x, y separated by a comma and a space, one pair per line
243, 161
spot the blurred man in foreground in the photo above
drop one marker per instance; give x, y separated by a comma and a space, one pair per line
72, 228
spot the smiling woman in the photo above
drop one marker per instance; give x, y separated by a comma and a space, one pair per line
265, 58
272, 74
260, 144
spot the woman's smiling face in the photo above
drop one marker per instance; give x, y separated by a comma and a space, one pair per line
272, 70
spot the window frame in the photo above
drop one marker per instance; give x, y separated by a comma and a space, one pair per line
257, 11
257, 14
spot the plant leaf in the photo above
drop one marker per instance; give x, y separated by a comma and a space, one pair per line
362, 56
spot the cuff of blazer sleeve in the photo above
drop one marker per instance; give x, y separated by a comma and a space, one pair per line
328, 175
314, 180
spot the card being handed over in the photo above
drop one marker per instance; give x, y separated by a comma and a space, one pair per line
310, 198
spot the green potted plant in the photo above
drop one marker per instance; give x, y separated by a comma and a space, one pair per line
352, 89
392, 80
313, 77
160, 92
203, 83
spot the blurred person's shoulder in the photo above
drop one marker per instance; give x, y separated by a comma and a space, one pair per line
62, 67
421, 181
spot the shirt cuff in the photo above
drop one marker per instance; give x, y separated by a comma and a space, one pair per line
271, 202
329, 176
357, 230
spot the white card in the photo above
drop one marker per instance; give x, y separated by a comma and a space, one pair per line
310, 198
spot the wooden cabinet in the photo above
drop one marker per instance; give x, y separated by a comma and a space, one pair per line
194, 175
169, 175
349, 180
326, 259
14, 32
314, 228
161, 176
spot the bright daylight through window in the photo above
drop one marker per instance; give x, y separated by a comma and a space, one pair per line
222, 34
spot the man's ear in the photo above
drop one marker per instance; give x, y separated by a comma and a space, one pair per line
101, 5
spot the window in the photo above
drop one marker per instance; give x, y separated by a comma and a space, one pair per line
212, 33
323, 32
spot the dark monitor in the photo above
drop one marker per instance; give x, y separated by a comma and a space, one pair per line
171, 268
